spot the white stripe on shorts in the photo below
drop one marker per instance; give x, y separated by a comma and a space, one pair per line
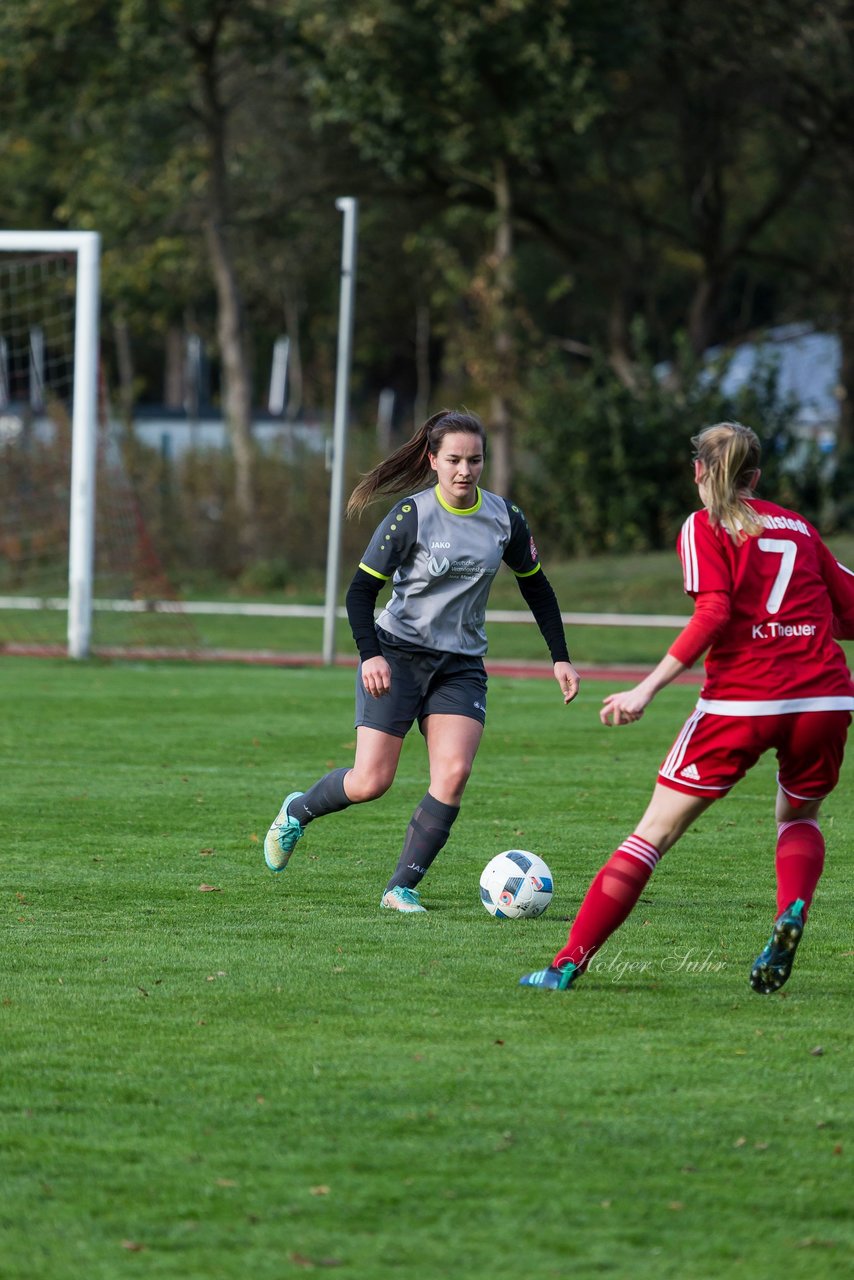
680, 746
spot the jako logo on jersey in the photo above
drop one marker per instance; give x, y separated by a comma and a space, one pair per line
444, 546
437, 568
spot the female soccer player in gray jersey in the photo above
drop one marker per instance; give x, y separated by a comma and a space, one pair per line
423, 657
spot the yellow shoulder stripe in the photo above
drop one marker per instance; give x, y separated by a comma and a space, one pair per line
383, 577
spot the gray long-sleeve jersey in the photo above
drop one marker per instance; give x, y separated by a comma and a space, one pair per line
442, 563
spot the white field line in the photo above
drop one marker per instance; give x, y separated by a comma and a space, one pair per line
248, 610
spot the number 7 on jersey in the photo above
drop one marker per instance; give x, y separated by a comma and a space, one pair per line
787, 551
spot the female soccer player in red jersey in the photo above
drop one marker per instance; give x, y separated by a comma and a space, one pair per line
770, 601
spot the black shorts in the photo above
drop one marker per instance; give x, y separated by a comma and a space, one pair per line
423, 682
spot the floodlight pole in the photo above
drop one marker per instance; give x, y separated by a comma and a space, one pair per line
349, 207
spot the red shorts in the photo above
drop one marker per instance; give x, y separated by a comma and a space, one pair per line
712, 753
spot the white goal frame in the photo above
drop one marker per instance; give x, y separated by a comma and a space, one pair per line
84, 418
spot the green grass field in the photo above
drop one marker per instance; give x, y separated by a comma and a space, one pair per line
621, 584
212, 1072
649, 583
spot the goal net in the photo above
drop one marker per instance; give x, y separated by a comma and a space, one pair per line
77, 570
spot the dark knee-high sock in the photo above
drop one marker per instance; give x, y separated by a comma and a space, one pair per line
799, 861
326, 796
427, 833
609, 900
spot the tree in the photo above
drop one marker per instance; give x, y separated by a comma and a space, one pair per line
682, 174
815, 246
445, 95
156, 91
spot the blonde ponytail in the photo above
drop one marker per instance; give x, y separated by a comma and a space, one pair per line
729, 454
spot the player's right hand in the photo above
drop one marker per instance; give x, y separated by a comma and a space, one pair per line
622, 708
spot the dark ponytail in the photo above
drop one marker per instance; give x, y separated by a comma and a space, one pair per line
408, 468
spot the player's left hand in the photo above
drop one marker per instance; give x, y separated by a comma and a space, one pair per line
568, 679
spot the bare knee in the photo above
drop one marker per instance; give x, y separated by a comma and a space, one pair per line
449, 783
789, 810
362, 787
668, 816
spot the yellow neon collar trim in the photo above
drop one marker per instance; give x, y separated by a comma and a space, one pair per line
459, 511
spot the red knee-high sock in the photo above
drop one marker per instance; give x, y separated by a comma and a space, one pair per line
799, 861
609, 900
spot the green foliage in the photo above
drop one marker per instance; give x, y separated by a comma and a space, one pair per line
690, 164
190, 515
607, 467
269, 1076
266, 575
448, 88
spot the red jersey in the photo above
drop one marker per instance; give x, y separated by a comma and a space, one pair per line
788, 597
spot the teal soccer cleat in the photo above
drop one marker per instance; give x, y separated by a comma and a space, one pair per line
772, 967
552, 979
402, 899
280, 841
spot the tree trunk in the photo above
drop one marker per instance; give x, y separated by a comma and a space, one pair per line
295, 371
237, 392
422, 363
702, 313
845, 428
124, 362
173, 383
501, 461
845, 303
231, 332
619, 357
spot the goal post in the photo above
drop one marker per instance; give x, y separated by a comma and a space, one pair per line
84, 416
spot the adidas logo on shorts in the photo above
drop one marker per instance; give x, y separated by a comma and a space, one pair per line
690, 772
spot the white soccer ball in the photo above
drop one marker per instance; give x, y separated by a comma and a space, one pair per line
516, 885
